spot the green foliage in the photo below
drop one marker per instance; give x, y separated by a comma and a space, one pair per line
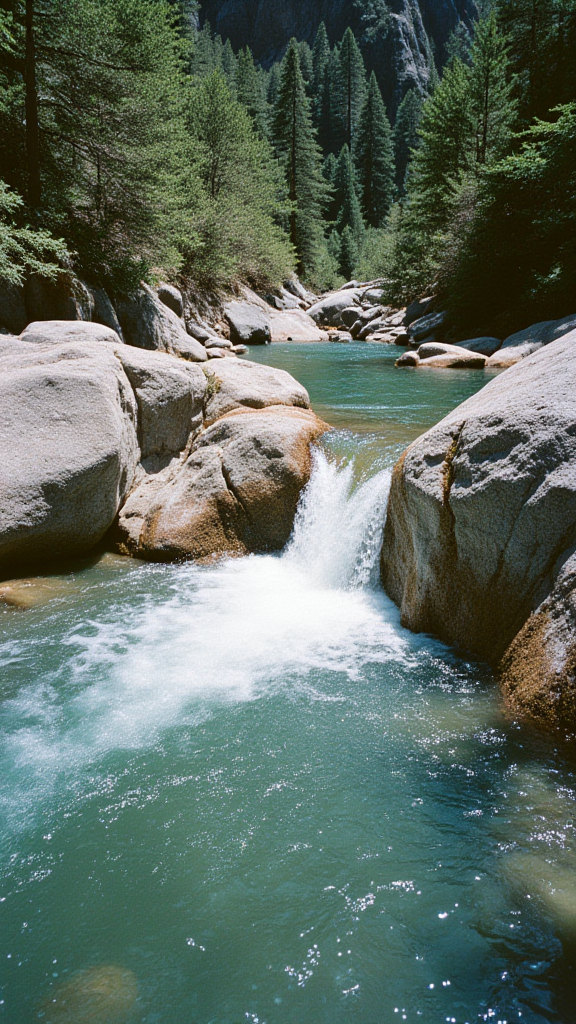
345, 200
229, 65
233, 231
109, 85
465, 126
377, 251
250, 90
542, 38
406, 137
459, 43
349, 252
374, 157
320, 58
350, 89
295, 139
518, 261
491, 89
375, 18
23, 250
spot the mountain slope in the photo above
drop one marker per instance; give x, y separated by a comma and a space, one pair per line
398, 52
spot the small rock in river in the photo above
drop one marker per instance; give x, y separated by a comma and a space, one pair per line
99, 995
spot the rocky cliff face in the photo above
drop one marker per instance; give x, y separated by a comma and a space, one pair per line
398, 52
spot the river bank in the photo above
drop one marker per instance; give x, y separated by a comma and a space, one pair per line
250, 794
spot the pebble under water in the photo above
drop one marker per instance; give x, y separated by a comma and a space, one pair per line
243, 793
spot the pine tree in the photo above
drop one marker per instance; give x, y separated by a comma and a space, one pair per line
320, 58
445, 151
295, 138
273, 85
228, 63
99, 115
326, 118
459, 43
374, 157
346, 198
349, 252
204, 60
352, 85
233, 230
306, 62
406, 137
542, 38
491, 90
250, 90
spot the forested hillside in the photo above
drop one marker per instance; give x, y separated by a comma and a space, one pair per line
396, 37
134, 144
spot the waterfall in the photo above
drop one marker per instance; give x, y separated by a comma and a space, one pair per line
338, 530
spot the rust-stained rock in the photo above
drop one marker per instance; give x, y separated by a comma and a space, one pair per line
236, 492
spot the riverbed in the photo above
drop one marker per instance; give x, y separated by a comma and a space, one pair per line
245, 793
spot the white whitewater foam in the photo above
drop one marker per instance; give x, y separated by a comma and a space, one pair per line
226, 633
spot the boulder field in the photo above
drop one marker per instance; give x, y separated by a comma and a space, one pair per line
480, 535
165, 457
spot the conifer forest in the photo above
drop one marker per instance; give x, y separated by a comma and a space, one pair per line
135, 142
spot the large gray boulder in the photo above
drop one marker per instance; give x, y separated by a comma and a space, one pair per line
328, 311
171, 297
486, 346
248, 322
523, 343
170, 395
483, 506
294, 325
350, 314
430, 326
442, 356
236, 492
58, 332
238, 383
538, 671
147, 323
69, 448
417, 309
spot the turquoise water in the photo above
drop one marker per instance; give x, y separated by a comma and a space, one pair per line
245, 793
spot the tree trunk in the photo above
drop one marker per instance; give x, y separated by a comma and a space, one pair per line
32, 133
293, 194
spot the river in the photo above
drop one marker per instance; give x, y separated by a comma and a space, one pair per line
244, 793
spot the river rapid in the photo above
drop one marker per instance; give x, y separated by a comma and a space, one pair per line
243, 792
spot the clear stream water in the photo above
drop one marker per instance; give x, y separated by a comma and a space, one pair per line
245, 793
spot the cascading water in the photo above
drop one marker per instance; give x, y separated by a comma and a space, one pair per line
206, 635
338, 529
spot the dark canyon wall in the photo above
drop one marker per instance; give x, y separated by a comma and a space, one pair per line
398, 53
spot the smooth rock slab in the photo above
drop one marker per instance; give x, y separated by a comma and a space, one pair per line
56, 332
294, 325
69, 448
524, 343
237, 492
486, 346
483, 505
239, 383
443, 356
